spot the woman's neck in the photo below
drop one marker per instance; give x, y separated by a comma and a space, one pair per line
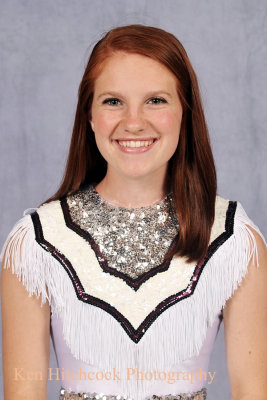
131, 193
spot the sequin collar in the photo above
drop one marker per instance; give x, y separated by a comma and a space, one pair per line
131, 240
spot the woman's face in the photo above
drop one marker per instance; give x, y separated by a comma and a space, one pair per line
136, 116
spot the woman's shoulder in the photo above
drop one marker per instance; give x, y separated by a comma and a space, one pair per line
235, 216
232, 220
22, 232
48, 216
22, 254
27, 250
235, 243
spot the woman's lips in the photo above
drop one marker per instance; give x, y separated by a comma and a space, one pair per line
135, 145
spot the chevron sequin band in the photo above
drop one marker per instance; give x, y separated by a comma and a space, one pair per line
65, 395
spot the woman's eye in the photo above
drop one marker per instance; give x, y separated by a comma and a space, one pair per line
115, 102
112, 101
157, 100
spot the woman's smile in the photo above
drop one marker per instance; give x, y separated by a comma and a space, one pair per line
135, 146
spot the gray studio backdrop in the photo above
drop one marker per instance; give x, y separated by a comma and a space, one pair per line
44, 48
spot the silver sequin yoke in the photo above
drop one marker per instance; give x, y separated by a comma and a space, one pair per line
132, 241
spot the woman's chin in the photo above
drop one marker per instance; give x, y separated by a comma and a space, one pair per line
136, 173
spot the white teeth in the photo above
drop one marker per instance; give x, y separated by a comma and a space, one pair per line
137, 143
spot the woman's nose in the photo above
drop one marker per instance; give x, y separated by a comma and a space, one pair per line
134, 121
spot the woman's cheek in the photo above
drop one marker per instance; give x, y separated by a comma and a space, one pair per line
172, 121
104, 123
165, 121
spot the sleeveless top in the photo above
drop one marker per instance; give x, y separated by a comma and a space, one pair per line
120, 324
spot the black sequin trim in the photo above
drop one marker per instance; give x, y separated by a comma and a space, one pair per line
137, 334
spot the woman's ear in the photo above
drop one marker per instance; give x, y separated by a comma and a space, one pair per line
92, 125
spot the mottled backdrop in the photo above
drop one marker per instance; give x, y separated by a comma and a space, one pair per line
44, 46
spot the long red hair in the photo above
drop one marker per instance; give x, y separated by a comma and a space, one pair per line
191, 170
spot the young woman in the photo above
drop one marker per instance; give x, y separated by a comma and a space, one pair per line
136, 259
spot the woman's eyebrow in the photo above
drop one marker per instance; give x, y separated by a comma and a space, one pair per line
117, 94
157, 92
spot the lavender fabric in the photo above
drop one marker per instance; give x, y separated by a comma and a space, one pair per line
198, 366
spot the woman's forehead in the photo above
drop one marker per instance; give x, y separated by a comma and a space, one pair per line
126, 68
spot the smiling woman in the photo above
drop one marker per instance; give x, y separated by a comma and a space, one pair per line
136, 258
128, 67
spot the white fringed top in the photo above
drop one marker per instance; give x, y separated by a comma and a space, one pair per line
114, 336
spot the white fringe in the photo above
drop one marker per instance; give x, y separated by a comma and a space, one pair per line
97, 338
34, 267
